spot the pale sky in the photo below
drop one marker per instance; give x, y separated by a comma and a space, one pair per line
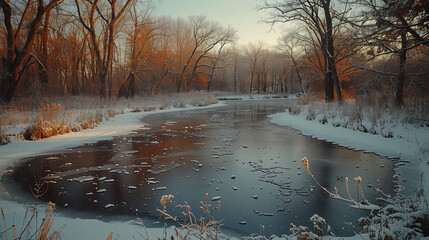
242, 15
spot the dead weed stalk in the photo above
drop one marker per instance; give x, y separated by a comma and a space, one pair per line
40, 233
203, 228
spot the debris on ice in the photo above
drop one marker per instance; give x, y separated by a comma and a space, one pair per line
109, 205
216, 198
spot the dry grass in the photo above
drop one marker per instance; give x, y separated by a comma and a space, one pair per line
191, 227
47, 123
41, 232
362, 204
374, 113
4, 139
47, 222
110, 236
48, 117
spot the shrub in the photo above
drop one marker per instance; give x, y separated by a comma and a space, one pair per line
47, 122
4, 139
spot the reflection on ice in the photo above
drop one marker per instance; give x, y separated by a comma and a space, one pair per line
232, 153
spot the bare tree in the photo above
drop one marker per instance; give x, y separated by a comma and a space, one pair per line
235, 57
202, 31
288, 46
393, 27
164, 62
253, 52
141, 31
103, 53
318, 15
44, 39
220, 39
17, 58
278, 73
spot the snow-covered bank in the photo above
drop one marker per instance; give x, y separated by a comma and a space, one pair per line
387, 135
225, 96
81, 228
34, 119
121, 124
408, 142
123, 226
128, 117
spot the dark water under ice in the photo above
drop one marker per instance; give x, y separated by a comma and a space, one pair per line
232, 152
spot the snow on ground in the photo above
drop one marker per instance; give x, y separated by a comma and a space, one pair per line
83, 228
232, 96
120, 124
408, 142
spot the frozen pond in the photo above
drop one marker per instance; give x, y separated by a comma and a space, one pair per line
232, 152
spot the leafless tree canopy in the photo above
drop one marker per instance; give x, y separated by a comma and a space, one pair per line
118, 48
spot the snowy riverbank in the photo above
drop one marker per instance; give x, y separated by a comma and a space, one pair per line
407, 142
126, 122
393, 135
120, 124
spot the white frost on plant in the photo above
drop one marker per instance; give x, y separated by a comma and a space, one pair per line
385, 133
395, 136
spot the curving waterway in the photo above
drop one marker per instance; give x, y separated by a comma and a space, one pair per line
233, 153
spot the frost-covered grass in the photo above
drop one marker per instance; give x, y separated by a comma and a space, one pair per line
34, 120
366, 115
3, 138
375, 125
206, 226
400, 217
370, 126
190, 225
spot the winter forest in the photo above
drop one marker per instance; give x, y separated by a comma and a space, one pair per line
118, 49
119, 121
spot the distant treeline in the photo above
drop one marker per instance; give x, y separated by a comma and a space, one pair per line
118, 48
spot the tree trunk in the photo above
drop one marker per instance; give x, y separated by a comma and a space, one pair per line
102, 91
179, 83
15, 61
75, 76
399, 95
251, 79
43, 71
9, 81
295, 66
111, 80
329, 82
211, 76
330, 52
235, 76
